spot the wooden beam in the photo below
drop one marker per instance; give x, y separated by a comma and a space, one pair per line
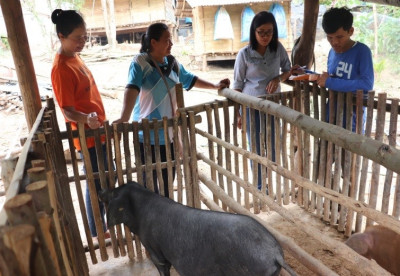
21, 53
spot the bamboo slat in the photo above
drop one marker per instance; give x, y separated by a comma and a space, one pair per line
211, 154
285, 163
244, 158
236, 156
111, 182
263, 134
92, 192
329, 156
219, 148
306, 139
158, 157
292, 145
227, 136
271, 190
254, 165
316, 147
346, 163
278, 150
396, 201
170, 164
337, 156
376, 167
193, 161
364, 165
127, 151
300, 146
355, 165
186, 161
392, 141
148, 160
323, 154
178, 159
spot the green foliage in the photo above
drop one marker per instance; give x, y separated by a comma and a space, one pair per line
379, 66
4, 42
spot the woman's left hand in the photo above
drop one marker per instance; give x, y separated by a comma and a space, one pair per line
273, 85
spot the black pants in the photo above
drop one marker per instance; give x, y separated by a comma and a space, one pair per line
163, 171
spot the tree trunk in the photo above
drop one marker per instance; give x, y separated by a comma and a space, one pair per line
304, 52
107, 7
113, 27
21, 53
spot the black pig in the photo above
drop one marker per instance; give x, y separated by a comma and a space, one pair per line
195, 242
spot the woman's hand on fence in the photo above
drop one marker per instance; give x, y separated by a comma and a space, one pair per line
93, 121
273, 85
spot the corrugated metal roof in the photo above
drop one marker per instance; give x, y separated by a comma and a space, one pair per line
197, 3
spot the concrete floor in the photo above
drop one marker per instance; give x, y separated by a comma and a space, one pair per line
122, 266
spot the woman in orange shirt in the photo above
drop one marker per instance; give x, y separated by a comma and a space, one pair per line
76, 91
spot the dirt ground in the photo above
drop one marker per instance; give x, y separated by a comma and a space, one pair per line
111, 77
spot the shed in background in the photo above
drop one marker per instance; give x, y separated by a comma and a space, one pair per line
132, 17
206, 48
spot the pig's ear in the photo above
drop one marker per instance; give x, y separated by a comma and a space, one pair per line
105, 195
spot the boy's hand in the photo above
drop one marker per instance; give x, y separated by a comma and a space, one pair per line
322, 79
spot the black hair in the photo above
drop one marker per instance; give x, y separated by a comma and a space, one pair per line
66, 21
259, 19
154, 31
336, 18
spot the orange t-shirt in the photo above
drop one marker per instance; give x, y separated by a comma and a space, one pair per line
74, 85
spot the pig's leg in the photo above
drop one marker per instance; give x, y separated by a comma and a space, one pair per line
162, 265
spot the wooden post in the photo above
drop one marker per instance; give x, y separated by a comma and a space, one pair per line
21, 53
19, 240
20, 210
7, 170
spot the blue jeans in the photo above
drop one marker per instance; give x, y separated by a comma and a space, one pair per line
89, 210
257, 121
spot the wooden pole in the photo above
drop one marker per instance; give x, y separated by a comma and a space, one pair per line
18, 40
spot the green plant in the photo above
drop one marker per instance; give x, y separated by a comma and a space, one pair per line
4, 42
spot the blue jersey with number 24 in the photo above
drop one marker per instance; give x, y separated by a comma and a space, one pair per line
352, 70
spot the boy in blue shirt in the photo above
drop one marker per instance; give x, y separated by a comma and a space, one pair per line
350, 66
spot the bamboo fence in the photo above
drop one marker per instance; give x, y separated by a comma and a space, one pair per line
326, 169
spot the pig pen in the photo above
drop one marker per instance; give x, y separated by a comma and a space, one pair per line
322, 173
